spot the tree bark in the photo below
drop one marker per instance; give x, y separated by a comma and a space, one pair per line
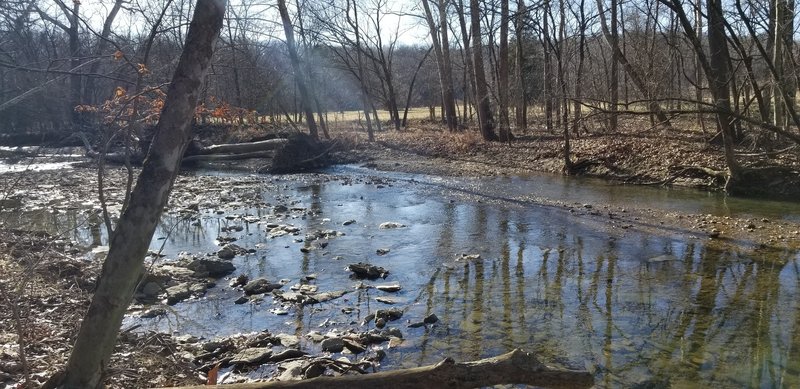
131, 238
515, 367
718, 77
485, 119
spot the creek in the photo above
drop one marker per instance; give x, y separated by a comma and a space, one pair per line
640, 307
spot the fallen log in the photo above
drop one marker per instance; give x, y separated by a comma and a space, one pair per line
228, 157
515, 367
242, 148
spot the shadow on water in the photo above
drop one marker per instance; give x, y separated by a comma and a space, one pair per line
638, 309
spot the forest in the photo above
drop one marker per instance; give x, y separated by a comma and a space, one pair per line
360, 193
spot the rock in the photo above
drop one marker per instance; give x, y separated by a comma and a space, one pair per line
315, 336
183, 291
348, 222
286, 354
364, 270
714, 233
385, 300
314, 370
391, 225
226, 252
395, 342
240, 280
468, 257
325, 296
333, 345
416, 325
252, 356
241, 300
382, 251
353, 346
210, 268
288, 341
151, 289
260, 286
212, 346
391, 288
175, 271
394, 332
153, 312
430, 319
280, 208
380, 322
187, 338
388, 314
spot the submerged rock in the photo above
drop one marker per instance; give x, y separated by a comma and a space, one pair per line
390, 225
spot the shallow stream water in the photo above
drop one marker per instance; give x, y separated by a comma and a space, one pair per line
640, 307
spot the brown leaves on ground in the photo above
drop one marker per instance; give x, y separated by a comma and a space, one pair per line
44, 293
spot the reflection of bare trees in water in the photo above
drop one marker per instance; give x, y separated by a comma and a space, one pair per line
708, 314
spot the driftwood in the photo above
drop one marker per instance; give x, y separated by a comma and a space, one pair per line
242, 148
515, 367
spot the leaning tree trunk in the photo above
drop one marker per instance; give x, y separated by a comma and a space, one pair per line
131, 239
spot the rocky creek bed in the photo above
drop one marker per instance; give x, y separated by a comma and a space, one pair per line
48, 271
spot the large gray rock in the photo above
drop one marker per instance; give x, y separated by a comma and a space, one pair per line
211, 268
183, 291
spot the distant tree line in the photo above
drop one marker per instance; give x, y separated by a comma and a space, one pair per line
727, 68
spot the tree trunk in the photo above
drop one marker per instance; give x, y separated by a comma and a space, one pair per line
613, 40
502, 65
485, 119
521, 109
515, 367
719, 76
547, 82
305, 96
131, 238
442, 53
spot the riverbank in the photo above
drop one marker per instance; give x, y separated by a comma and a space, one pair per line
652, 156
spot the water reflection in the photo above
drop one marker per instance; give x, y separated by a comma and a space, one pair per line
639, 309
